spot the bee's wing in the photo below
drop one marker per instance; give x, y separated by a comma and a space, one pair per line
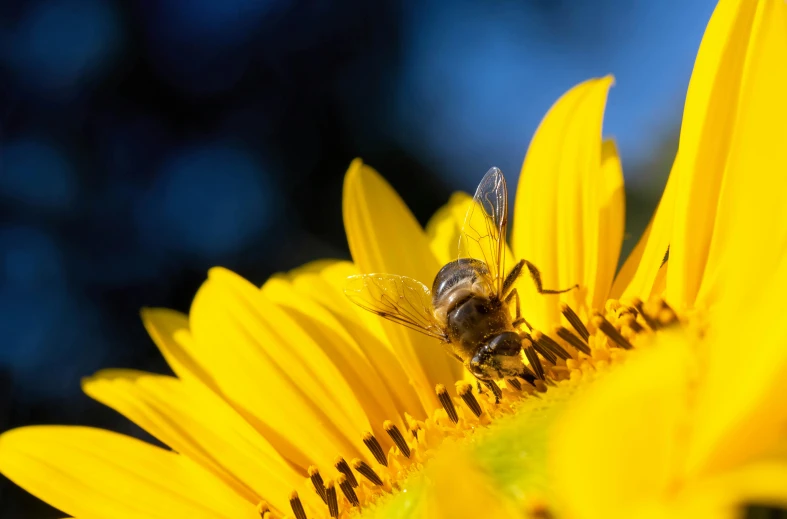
483, 234
399, 299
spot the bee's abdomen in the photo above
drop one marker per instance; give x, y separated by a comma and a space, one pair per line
472, 322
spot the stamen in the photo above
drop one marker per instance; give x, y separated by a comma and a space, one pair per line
376, 449
573, 340
344, 468
495, 390
575, 321
610, 331
465, 391
319, 485
448, 404
366, 471
333, 502
263, 508
414, 430
666, 314
631, 321
528, 375
514, 383
645, 316
549, 343
396, 436
545, 353
532, 357
297, 506
347, 490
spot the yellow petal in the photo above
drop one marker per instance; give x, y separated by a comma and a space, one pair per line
457, 487
385, 237
444, 227
275, 371
618, 445
326, 286
170, 331
740, 408
737, 87
96, 474
724, 496
341, 348
750, 234
609, 230
629, 268
654, 242
193, 421
556, 217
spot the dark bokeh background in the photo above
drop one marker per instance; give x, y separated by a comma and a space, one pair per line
142, 142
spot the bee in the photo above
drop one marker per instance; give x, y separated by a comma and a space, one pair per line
469, 309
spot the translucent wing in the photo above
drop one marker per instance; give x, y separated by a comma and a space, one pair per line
483, 234
399, 299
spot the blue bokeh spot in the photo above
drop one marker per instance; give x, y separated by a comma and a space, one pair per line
36, 174
207, 201
60, 43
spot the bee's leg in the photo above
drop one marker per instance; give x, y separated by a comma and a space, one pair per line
536, 276
495, 389
518, 320
512, 276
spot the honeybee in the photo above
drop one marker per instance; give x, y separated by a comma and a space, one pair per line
469, 308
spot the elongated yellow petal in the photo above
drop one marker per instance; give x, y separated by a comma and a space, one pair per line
170, 331
556, 217
608, 233
654, 243
385, 237
724, 496
750, 235
96, 474
341, 348
196, 423
326, 286
618, 446
275, 372
629, 268
710, 120
740, 406
444, 227
458, 487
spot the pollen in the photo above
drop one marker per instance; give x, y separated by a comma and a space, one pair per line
573, 350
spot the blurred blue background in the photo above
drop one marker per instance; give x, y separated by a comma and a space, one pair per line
142, 142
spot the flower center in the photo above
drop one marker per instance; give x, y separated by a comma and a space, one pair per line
563, 357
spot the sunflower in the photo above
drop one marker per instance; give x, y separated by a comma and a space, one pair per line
287, 400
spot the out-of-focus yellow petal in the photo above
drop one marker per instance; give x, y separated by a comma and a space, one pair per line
275, 372
629, 268
444, 227
724, 496
611, 207
750, 234
456, 487
170, 331
96, 474
713, 105
556, 217
193, 421
655, 243
341, 348
385, 237
740, 407
618, 445
325, 284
